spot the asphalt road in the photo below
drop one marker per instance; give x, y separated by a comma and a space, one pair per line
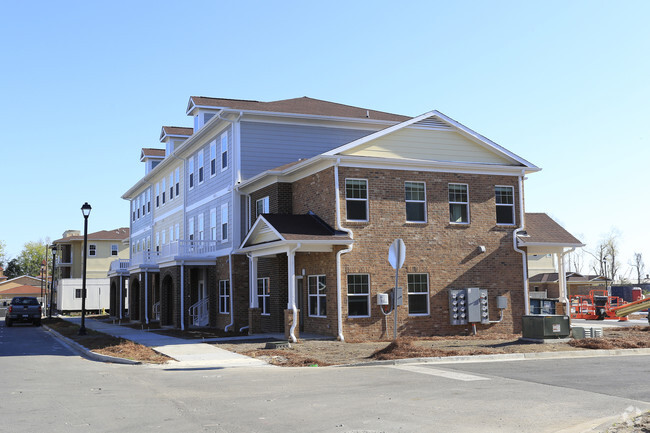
46, 387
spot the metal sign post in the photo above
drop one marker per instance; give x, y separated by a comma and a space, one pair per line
396, 256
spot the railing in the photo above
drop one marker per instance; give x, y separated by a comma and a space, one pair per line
156, 311
120, 265
199, 313
145, 258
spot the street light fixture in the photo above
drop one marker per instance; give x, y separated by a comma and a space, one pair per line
85, 210
42, 270
49, 311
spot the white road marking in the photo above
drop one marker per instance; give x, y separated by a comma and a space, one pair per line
441, 373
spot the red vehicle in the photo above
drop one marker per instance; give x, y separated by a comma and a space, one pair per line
597, 305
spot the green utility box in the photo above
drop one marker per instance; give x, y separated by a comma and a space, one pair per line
545, 326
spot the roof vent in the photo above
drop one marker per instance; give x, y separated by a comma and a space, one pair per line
368, 114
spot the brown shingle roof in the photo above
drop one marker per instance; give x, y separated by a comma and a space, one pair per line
104, 235
303, 227
541, 228
177, 130
302, 105
22, 290
151, 152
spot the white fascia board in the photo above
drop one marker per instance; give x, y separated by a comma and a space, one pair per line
523, 243
261, 221
478, 138
315, 120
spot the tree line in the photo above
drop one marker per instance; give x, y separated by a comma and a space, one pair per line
28, 261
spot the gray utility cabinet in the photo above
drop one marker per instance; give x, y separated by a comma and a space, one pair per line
545, 326
468, 306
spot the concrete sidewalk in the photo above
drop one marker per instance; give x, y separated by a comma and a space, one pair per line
187, 353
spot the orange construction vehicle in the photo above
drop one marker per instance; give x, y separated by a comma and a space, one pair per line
599, 305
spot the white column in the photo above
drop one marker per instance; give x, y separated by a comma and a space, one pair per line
252, 282
562, 276
291, 272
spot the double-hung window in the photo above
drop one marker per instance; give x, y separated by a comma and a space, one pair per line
213, 224
356, 199
201, 237
157, 241
505, 204
224, 151
171, 234
418, 294
162, 235
144, 204
133, 210
190, 169
137, 206
114, 249
213, 158
358, 295
317, 296
224, 222
264, 295
157, 194
224, 297
177, 231
261, 206
415, 197
92, 250
190, 228
200, 166
171, 186
458, 203
163, 191
148, 201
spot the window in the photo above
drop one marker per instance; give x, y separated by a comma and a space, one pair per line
171, 235
176, 178
191, 171
77, 293
224, 296
261, 206
458, 204
163, 191
201, 227
356, 199
264, 295
317, 298
213, 224
148, 201
200, 166
505, 201
358, 295
157, 241
148, 243
114, 249
213, 158
190, 229
133, 209
418, 293
415, 197
157, 194
171, 186
92, 250
224, 222
137, 206
224, 151
177, 230
144, 204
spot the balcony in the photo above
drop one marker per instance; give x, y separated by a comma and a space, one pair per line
182, 248
119, 265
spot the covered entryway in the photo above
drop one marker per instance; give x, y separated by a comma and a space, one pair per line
167, 301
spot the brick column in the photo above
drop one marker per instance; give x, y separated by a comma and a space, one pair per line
254, 321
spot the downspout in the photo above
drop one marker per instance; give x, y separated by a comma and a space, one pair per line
339, 307
232, 311
565, 290
182, 295
516, 248
291, 255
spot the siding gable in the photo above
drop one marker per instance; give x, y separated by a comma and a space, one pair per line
429, 144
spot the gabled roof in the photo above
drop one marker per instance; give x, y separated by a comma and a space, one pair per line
22, 290
304, 105
571, 277
36, 281
175, 131
541, 229
293, 228
104, 235
149, 152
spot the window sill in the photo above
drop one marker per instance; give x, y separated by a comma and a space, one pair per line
420, 315
358, 317
318, 317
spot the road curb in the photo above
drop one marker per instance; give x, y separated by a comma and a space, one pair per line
503, 357
89, 353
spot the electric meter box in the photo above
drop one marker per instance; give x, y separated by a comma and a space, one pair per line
382, 299
468, 306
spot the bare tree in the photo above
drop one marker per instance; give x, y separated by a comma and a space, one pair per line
639, 267
576, 260
606, 255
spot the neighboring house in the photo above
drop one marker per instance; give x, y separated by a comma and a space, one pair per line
103, 247
23, 285
26, 290
277, 216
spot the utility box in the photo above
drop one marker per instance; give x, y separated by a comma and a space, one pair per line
382, 299
468, 306
545, 326
502, 302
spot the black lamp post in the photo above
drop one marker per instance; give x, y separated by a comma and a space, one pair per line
42, 269
85, 210
49, 311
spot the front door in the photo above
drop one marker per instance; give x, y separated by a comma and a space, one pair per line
300, 300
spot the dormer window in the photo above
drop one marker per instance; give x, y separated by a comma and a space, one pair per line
201, 119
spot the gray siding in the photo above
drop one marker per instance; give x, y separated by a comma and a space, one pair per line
211, 184
266, 145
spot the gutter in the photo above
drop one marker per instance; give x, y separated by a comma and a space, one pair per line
291, 254
514, 242
339, 307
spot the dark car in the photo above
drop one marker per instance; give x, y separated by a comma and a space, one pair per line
24, 309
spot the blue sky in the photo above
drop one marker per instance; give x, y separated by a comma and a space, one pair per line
86, 85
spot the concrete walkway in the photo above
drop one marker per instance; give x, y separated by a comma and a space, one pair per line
187, 353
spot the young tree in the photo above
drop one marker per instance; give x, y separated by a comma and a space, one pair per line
31, 258
638, 267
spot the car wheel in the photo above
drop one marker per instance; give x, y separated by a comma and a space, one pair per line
7, 323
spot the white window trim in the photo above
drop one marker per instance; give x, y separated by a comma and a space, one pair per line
162, 188
177, 179
428, 313
90, 248
190, 173
345, 194
116, 248
265, 205
201, 167
224, 140
266, 284
459, 202
359, 296
171, 186
190, 229
514, 220
213, 158
225, 297
318, 296
201, 227
424, 202
224, 210
157, 194
213, 224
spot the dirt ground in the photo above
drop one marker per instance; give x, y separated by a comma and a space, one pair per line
329, 352
106, 344
636, 424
